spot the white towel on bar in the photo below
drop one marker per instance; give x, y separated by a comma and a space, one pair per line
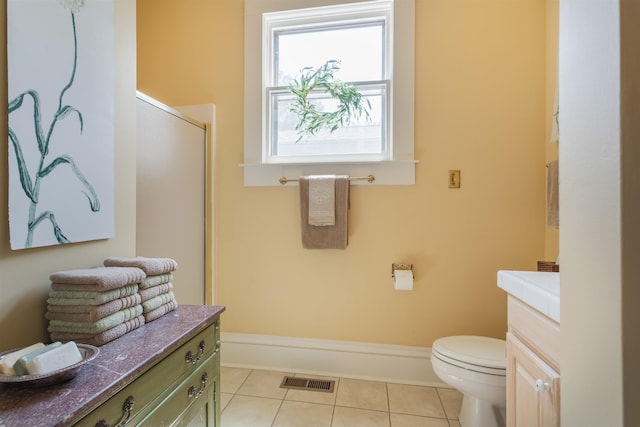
322, 200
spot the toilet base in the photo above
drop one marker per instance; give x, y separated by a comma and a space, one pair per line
478, 413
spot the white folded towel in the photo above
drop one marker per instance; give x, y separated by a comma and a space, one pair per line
322, 201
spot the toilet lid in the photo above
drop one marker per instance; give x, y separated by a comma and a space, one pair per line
476, 351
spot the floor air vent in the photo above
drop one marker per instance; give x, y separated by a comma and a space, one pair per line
311, 384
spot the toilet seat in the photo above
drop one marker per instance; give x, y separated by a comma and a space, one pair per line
480, 354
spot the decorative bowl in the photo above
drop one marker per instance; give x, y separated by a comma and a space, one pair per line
87, 351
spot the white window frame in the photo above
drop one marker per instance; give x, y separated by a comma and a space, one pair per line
399, 169
379, 13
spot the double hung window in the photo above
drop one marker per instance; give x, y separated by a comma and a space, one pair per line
354, 40
367, 46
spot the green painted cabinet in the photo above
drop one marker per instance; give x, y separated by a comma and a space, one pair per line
194, 401
183, 389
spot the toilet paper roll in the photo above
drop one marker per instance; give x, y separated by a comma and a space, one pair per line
403, 280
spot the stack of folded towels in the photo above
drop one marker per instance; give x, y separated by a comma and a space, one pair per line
95, 305
155, 290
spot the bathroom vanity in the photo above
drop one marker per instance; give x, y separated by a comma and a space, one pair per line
533, 347
166, 372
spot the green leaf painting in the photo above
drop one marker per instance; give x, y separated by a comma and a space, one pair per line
61, 85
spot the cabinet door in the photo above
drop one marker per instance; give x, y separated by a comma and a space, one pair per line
533, 388
193, 403
202, 411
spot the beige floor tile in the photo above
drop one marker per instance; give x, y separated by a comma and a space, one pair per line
362, 394
415, 400
315, 396
253, 398
403, 420
249, 411
225, 398
302, 414
352, 417
264, 384
452, 401
232, 378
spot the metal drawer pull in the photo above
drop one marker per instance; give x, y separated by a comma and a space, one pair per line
192, 390
189, 356
127, 406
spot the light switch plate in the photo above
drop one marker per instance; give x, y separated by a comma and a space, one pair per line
454, 178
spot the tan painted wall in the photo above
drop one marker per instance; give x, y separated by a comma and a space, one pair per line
24, 274
480, 107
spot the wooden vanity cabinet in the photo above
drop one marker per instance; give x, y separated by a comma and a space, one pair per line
533, 367
181, 389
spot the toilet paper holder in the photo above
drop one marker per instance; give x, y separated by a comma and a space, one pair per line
401, 266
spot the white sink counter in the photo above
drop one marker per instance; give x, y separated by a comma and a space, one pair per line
540, 290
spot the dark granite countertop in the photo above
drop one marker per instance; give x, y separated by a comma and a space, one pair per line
119, 362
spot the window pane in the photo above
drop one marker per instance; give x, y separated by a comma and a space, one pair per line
359, 48
361, 136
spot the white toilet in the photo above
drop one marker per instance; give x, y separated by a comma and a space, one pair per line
476, 367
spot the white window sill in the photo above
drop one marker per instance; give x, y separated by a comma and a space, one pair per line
395, 172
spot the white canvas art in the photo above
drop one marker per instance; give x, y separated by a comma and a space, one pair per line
61, 121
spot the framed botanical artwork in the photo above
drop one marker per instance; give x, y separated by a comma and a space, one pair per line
61, 121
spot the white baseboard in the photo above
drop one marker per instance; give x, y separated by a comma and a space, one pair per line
379, 362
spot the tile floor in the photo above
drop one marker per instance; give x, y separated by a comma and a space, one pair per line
253, 398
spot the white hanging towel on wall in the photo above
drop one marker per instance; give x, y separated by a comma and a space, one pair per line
322, 200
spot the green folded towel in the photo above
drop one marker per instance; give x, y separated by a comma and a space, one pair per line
65, 297
90, 313
151, 281
97, 326
156, 302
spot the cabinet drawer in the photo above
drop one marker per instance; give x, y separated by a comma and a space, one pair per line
197, 390
135, 400
535, 329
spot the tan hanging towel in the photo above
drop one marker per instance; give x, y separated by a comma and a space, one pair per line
325, 236
553, 203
